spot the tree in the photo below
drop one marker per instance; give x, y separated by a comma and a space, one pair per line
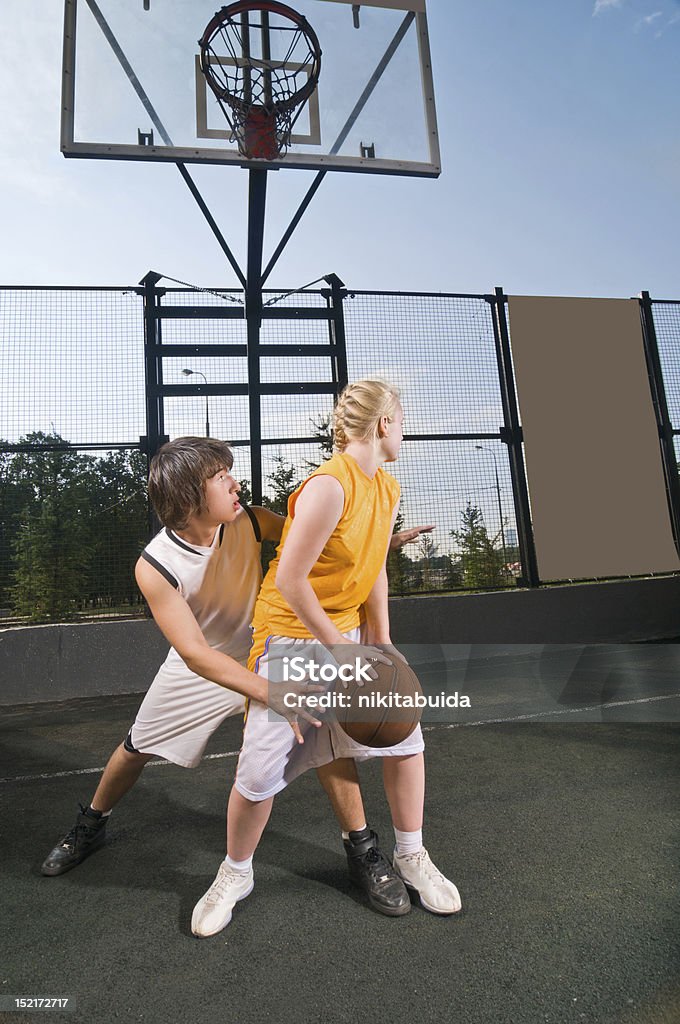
51, 546
118, 528
424, 567
324, 435
284, 480
398, 564
71, 528
245, 491
481, 563
14, 495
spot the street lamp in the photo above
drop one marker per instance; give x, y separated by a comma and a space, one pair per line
483, 448
188, 373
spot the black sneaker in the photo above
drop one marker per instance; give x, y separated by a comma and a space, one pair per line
86, 836
375, 875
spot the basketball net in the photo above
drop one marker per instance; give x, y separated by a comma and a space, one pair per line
262, 62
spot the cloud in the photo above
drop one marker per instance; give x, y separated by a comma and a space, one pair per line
652, 21
657, 19
603, 5
648, 20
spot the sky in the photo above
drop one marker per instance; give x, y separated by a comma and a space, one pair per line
559, 126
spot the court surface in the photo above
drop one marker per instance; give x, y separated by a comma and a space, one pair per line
560, 833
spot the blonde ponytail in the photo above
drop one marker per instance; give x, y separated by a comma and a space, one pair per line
359, 409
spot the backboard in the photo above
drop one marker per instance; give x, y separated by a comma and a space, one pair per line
133, 88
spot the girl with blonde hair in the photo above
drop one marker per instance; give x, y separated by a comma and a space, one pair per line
326, 591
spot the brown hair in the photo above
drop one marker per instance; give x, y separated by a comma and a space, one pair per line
359, 409
177, 477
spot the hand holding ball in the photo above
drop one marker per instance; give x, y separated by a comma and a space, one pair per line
382, 711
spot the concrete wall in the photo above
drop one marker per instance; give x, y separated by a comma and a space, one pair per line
618, 612
44, 663
39, 663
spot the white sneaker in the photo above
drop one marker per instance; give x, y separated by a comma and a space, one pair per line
212, 913
437, 893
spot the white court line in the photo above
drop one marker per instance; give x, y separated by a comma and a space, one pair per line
427, 728
98, 771
551, 714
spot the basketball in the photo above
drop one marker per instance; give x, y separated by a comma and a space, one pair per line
381, 712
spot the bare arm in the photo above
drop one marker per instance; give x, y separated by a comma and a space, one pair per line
179, 626
317, 513
397, 540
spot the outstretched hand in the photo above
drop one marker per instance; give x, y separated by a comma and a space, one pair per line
398, 540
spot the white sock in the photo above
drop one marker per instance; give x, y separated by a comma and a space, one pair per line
239, 865
408, 842
345, 835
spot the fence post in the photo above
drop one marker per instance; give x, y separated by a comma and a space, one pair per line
336, 330
511, 434
153, 378
663, 420
153, 368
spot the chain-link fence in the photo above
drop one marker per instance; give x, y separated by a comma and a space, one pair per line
74, 419
667, 328
73, 507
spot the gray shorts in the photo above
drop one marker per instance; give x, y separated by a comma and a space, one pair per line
179, 714
271, 757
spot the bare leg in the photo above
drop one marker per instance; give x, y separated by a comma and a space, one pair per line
120, 775
404, 781
341, 783
246, 822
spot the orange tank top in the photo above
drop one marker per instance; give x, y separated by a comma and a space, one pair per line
344, 574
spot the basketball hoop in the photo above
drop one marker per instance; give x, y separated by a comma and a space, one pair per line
262, 61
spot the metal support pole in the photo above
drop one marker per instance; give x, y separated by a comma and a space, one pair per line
512, 436
336, 331
257, 195
191, 185
311, 192
160, 127
344, 132
153, 378
500, 513
663, 419
153, 367
483, 448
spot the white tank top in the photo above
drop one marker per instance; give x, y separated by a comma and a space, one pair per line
219, 583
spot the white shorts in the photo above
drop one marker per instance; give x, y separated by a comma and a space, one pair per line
179, 714
271, 757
